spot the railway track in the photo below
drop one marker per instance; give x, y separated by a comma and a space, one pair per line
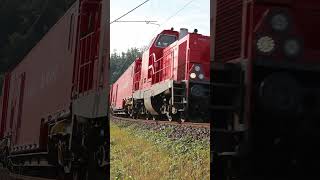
186, 124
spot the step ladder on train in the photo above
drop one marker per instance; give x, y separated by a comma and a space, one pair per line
227, 102
179, 99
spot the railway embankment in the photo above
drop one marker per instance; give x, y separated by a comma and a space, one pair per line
158, 151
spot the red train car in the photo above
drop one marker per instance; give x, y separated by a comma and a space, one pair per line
123, 88
265, 88
173, 80
59, 88
40, 84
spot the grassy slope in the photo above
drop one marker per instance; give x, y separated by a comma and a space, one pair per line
142, 154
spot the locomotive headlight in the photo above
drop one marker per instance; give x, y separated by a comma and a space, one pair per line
201, 76
266, 44
292, 47
197, 68
279, 22
193, 75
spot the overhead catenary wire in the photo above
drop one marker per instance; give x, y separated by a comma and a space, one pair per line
138, 21
147, 22
173, 15
177, 12
168, 19
160, 25
129, 12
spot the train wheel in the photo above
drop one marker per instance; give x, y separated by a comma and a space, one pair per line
101, 156
182, 117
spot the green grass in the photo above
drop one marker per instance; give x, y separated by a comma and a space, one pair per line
144, 154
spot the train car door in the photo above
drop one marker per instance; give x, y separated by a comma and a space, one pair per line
90, 83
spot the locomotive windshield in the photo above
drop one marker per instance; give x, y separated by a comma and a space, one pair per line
165, 40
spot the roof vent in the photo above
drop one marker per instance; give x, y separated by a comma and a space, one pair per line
183, 33
195, 31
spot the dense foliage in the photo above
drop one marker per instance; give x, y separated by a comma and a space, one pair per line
119, 62
23, 24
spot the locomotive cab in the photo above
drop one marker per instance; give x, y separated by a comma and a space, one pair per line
170, 81
154, 53
175, 75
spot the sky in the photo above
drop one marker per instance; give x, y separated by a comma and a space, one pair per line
128, 35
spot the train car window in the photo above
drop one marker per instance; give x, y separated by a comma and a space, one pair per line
165, 40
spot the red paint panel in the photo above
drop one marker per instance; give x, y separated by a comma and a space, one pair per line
179, 57
199, 53
153, 54
41, 84
137, 74
301, 28
181, 69
87, 54
122, 88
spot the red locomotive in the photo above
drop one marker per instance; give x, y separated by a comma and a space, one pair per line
55, 102
265, 88
171, 79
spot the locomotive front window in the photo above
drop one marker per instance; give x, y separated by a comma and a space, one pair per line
165, 40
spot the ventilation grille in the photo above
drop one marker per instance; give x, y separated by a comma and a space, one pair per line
228, 30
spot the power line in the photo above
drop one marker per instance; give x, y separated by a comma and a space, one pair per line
144, 21
176, 13
129, 11
154, 24
147, 22
136, 21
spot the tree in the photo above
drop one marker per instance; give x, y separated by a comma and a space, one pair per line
23, 24
119, 62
